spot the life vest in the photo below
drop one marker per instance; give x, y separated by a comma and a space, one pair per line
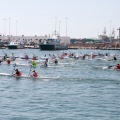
34, 64
118, 67
8, 61
19, 73
35, 74
34, 58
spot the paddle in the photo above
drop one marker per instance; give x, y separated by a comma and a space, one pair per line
30, 71
3, 52
14, 68
109, 67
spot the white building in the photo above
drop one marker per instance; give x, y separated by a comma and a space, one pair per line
28, 39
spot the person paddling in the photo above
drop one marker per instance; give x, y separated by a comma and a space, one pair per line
34, 74
56, 61
34, 57
45, 63
117, 67
26, 57
1, 61
34, 64
8, 61
5, 57
13, 57
17, 73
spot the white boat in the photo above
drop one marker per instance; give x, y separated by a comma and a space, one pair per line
15, 45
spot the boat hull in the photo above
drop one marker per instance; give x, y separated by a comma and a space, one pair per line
52, 47
15, 47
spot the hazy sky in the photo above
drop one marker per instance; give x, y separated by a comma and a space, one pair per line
86, 18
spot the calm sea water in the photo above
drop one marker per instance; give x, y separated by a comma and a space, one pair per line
83, 91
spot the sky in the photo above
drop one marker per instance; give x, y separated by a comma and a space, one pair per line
74, 18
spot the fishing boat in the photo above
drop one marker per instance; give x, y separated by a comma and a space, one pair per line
15, 45
52, 43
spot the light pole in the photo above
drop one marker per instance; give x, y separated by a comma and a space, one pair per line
4, 27
66, 26
110, 28
119, 36
9, 29
59, 27
9, 26
16, 28
55, 25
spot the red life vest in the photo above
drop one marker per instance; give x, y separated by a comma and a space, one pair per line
35, 74
8, 61
34, 58
118, 67
19, 73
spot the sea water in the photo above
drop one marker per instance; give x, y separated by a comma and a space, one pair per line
83, 91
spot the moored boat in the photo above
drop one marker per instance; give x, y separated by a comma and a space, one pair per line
52, 43
15, 45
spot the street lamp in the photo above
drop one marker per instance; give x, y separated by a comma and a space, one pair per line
55, 25
4, 27
9, 29
9, 26
119, 35
16, 28
66, 26
110, 28
59, 27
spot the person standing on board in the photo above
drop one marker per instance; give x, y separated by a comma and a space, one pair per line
17, 73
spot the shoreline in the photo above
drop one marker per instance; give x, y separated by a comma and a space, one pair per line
74, 47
